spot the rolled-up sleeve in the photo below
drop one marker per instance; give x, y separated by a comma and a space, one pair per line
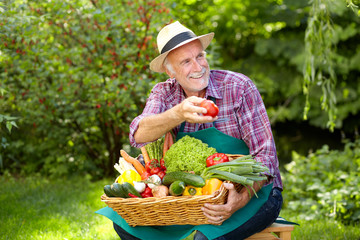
154, 105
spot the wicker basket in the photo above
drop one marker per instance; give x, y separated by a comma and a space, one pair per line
169, 210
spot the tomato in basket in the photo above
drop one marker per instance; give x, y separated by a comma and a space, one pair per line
153, 163
147, 193
162, 164
145, 175
155, 170
161, 174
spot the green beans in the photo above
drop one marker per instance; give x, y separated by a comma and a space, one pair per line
227, 164
232, 177
235, 169
254, 177
244, 170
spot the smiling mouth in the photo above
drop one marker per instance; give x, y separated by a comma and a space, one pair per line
198, 74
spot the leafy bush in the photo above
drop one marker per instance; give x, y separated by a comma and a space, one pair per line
76, 73
325, 183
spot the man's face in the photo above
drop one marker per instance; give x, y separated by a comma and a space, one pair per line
190, 68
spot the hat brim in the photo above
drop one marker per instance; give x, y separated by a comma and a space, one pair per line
156, 65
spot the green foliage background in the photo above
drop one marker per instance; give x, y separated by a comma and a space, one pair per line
269, 41
75, 73
325, 183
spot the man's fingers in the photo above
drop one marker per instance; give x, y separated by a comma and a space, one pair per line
229, 186
216, 220
212, 210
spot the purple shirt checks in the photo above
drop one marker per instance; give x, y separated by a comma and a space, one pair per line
238, 100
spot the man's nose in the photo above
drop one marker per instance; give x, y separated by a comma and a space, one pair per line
197, 66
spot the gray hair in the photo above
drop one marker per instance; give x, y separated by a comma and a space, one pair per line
168, 66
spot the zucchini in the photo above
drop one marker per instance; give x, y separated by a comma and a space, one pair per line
108, 191
128, 188
187, 178
118, 190
177, 188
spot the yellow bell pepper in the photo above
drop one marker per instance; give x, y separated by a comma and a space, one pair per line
192, 191
129, 176
211, 185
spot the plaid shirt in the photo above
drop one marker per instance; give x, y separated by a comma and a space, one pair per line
238, 100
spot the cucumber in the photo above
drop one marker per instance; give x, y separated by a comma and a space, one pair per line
108, 191
177, 188
118, 191
128, 188
187, 178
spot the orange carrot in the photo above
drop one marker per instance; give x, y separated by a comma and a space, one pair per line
171, 140
137, 165
168, 141
165, 147
145, 154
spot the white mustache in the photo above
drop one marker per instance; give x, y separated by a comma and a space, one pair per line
198, 74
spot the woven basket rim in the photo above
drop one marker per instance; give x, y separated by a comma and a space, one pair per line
218, 194
160, 211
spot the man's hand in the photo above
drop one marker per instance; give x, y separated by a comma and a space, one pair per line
154, 126
217, 214
190, 111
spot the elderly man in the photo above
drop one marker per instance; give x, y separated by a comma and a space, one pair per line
242, 125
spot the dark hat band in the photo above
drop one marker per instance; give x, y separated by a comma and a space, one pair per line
177, 39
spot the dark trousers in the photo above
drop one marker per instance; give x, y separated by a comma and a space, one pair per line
266, 215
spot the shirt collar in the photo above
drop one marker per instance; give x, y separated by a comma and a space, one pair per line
213, 89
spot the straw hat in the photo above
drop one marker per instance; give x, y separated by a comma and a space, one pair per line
173, 36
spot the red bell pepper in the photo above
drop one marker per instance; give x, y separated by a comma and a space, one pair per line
216, 158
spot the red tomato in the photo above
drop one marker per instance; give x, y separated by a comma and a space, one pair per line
153, 163
147, 193
148, 166
155, 170
162, 164
145, 175
211, 108
161, 174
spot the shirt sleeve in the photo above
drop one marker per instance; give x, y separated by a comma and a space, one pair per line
256, 129
154, 105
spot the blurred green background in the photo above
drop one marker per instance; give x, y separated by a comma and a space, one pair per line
75, 73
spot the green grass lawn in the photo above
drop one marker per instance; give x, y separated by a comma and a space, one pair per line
37, 208
321, 229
